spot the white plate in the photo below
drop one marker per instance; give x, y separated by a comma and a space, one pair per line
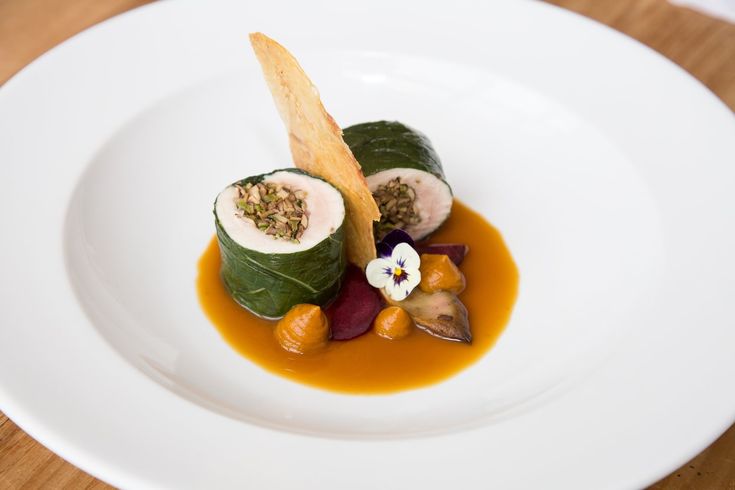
608, 169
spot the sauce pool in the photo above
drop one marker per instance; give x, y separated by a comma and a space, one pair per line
371, 364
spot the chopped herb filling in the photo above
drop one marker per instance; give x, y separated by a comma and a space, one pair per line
276, 209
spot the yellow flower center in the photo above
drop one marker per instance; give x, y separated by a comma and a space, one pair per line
397, 271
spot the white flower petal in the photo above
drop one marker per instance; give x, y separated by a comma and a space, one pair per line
379, 271
400, 291
413, 280
405, 255
397, 292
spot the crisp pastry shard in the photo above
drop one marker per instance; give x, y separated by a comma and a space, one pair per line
316, 143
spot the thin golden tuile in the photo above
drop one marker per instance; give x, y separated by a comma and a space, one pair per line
316, 143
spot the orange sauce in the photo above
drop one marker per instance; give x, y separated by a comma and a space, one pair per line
370, 363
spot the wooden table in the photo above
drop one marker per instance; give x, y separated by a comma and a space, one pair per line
703, 46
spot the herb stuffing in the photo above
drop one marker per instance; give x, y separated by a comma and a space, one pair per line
397, 204
276, 209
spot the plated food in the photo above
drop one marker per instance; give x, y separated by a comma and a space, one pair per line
608, 285
405, 176
281, 236
346, 258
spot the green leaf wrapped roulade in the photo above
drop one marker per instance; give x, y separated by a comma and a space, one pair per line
281, 238
404, 174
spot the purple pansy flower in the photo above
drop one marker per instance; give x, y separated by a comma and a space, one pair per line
388, 243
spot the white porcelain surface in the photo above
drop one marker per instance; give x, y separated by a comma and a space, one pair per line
607, 169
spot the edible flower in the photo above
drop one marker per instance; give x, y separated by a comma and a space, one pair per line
388, 243
397, 268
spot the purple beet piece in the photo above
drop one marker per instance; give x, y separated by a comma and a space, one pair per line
357, 305
455, 251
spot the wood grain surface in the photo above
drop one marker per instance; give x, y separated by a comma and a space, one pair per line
701, 45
